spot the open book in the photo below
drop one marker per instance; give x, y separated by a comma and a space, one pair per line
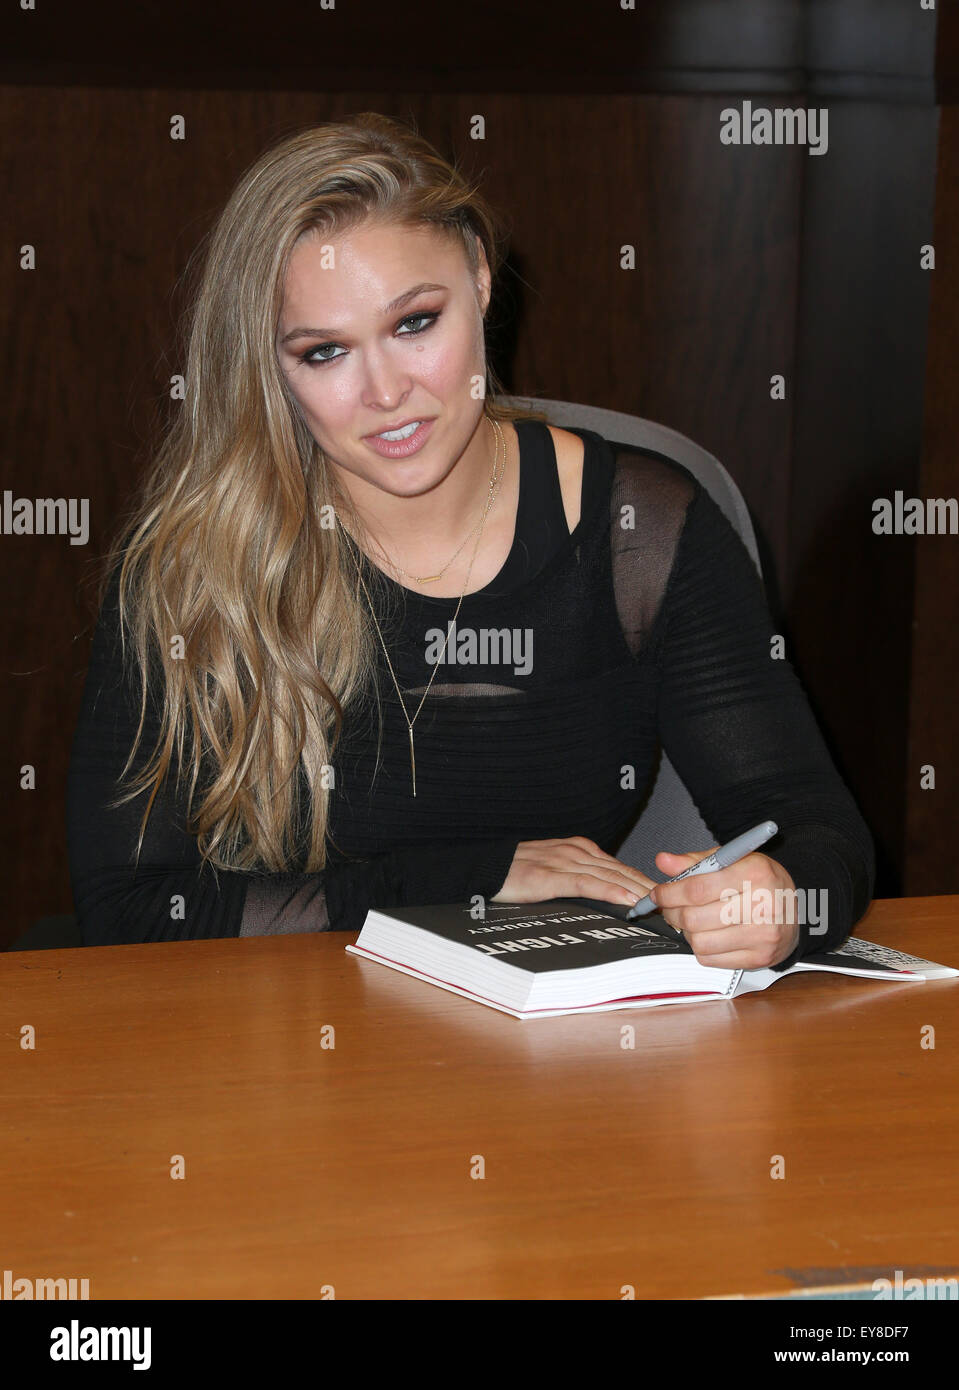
576, 955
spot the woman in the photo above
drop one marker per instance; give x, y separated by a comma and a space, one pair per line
265, 683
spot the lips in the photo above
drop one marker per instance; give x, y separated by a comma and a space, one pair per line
400, 426
401, 448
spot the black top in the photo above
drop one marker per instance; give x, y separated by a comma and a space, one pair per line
647, 622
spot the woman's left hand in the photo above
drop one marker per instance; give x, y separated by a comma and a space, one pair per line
715, 927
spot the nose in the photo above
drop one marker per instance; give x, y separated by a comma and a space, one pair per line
387, 385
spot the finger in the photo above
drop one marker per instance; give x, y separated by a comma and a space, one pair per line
711, 940
717, 890
699, 889
580, 853
737, 948
592, 860
585, 883
632, 878
690, 856
703, 921
673, 864
621, 873
732, 960
583, 851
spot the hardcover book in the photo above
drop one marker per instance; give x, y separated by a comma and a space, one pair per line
576, 955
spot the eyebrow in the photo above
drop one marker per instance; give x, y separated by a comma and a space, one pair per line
390, 308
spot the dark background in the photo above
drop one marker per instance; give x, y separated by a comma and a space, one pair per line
602, 129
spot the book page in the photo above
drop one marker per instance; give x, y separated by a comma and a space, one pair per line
870, 953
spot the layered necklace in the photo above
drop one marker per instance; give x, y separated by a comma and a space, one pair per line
494, 482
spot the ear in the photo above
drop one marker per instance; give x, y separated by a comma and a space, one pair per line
484, 279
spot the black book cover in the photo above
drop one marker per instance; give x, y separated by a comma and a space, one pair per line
575, 933
562, 934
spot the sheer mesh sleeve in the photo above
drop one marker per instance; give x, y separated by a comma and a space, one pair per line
172, 893
648, 502
732, 718
287, 905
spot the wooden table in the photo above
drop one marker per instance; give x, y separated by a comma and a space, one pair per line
349, 1167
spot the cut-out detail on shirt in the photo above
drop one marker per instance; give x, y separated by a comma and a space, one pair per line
467, 688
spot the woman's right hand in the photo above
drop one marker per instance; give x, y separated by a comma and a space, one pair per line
570, 868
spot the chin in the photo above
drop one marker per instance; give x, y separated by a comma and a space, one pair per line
403, 479
416, 473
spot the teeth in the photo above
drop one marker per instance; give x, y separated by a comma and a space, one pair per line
402, 434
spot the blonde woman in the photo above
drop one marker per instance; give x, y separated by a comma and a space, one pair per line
369, 638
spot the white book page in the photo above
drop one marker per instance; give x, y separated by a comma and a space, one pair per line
871, 953
649, 1003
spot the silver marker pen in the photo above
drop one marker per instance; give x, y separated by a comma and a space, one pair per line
721, 858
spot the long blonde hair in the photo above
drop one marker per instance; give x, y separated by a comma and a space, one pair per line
224, 557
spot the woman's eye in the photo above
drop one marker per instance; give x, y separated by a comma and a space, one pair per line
312, 360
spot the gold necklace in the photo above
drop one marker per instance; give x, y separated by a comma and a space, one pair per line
495, 479
432, 578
